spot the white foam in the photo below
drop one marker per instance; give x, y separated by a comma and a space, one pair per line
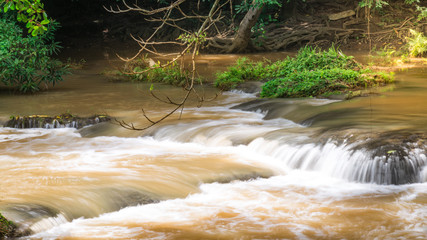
48, 223
263, 204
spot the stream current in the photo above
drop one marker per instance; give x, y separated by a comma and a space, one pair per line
235, 168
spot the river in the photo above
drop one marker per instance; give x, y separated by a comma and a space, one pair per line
234, 168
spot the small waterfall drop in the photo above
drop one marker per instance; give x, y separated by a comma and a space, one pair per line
291, 144
344, 162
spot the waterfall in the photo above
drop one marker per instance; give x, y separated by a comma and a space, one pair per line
344, 162
276, 139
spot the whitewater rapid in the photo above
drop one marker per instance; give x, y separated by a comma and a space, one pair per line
219, 173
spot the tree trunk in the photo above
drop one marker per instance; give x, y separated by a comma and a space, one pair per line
242, 40
243, 37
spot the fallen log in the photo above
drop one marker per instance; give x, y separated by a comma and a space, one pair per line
341, 15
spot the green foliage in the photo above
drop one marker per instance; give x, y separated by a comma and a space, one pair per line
244, 6
6, 227
379, 4
244, 70
417, 43
266, 18
421, 9
423, 12
307, 58
373, 3
171, 74
310, 73
30, 12
312, 83
385, 56
25, 62
192, 38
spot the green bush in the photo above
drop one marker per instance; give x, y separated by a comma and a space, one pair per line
310, 73
312, 83
244, 70
417, 44
171, 74
25, 61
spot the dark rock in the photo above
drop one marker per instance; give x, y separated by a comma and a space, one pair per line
250, 87
61, 121
394, 157
7, 228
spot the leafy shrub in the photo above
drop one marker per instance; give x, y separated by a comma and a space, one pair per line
244, 70
171, 74
310, 73
25, 61
417, 43
312, 83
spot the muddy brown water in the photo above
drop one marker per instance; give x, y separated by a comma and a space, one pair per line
235, 168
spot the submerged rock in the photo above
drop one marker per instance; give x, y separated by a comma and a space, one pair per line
65, 120
7, 228
393, 157
399, 156
250, 87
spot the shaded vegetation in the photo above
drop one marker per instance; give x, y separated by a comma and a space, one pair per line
146, 70
172, 74
311, 72
25, 60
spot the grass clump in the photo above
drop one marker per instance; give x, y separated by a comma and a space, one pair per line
244, 70
311, 72
145, 69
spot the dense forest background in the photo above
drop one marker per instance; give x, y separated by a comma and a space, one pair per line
281, 24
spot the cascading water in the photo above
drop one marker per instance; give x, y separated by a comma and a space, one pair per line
278, 139
224, 171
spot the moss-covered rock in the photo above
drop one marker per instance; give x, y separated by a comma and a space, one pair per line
65, 120
7, 228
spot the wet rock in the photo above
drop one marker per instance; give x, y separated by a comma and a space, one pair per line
250, 87
34, 218
402, 154
395, 157
60, 121
274, 108
240, 177
29, 216
118, 198
7, 228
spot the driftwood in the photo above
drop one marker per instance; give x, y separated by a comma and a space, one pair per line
341, 15
281, 37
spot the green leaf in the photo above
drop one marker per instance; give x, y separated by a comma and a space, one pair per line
6, 7
44, 22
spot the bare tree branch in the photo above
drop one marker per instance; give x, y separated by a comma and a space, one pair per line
192, 44
136, 8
